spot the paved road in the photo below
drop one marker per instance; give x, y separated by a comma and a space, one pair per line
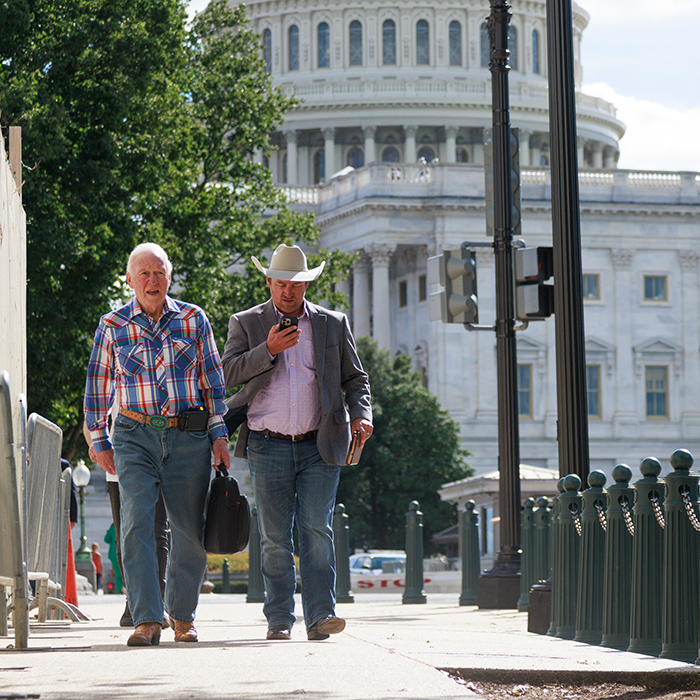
389, 651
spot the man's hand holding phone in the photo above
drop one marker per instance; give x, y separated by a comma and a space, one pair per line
284, 335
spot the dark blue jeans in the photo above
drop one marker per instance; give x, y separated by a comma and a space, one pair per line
181, 463
292, 484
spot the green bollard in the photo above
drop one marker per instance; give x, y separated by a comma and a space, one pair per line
647, 561
619, 543
225, 578
256, 585
569, 546
679, 629
341, 537
471, 556
527, 557
589, 611
543, 567
554, 553
414, 593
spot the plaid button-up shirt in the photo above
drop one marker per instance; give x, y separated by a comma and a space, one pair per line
162, 367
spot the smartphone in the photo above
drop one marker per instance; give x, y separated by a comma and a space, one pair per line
288, 323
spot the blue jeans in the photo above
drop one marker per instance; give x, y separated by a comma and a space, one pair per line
292, 483
180, 463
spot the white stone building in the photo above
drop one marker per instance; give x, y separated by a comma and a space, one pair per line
387, 148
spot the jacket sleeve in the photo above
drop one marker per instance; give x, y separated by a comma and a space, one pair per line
241, 362
354, 380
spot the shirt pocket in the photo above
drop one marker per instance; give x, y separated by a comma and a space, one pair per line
130, 359
184, 353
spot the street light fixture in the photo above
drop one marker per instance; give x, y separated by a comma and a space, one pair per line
81, 478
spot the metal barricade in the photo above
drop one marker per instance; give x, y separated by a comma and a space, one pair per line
13, 571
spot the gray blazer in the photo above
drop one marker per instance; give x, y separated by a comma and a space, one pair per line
247, 363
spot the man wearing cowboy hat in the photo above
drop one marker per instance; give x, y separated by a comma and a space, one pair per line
296, 434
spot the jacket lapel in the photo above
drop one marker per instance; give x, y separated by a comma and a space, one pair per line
318, 327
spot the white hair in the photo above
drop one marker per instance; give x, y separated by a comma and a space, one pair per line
153, 248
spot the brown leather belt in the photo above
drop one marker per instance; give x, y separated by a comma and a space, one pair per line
157, 422
294, 438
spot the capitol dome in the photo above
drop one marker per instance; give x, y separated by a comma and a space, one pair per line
405, 81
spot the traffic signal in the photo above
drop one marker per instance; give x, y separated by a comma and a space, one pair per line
514, 181
455, 270
533, 298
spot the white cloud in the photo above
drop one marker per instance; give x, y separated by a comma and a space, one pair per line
626, 13
194, 7
658, 137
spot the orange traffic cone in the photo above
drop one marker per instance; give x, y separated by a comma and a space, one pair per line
71, 585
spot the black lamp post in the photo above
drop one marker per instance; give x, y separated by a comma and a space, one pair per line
500, 587
83, 557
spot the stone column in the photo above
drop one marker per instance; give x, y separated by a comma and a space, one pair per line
525, 156
343, 287
451, 144
597, 155
380, 255
360, 299
370, 154
291, 138
580, 152
409, 154
329, 151
625, 420
690, 310
609, 160
258, 156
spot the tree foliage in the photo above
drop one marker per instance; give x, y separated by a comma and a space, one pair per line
414, 450
140, 128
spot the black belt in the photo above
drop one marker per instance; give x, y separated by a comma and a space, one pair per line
293, 438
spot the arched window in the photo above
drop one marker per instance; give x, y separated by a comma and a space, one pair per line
324, 46
356, 158
485, 46
535, 51
389, 42
390, 155
544, 161
455, 43
513, 47
355, 43
294, 47
427, 153
462, 155
267, 50
319, 166
422, 43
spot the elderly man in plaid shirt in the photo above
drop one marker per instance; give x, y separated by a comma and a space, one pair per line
156, 357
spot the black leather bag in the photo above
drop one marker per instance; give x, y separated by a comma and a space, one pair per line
227, 528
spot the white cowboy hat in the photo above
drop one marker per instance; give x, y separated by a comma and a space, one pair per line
289, 263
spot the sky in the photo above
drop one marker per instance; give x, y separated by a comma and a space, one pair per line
641, 56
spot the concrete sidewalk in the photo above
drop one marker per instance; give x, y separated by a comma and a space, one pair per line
388, 651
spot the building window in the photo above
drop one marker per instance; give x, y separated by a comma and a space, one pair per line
485, 46
267, 50
535, 51
655, 288
294, 47
324, 45
266, 160
356, 158
593, 390
656, 380
355, 43
319, 166
427, 154
513, 47
462, 155
390, 155
455, 33
389, 42
422, 43
422, 287
403, 294
544, 161
525, 391
591, 286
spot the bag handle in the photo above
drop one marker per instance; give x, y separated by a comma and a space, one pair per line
221, 470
